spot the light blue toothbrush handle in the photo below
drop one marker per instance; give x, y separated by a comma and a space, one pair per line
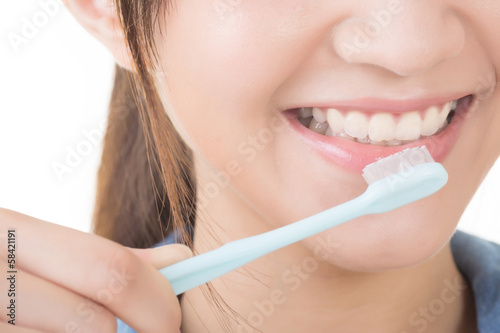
381, 196
200, 269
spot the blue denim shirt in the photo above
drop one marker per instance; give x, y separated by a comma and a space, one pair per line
479, 262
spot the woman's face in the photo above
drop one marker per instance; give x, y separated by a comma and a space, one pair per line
384, 74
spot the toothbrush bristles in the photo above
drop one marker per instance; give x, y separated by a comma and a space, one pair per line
396, 163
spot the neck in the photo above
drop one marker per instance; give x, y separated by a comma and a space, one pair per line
294, 283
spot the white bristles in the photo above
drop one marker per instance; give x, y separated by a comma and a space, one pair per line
396, 163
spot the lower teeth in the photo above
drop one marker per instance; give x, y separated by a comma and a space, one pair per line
305, 121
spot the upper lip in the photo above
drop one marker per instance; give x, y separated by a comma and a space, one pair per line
373, 104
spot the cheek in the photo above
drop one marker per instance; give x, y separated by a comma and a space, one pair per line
222, 66
206, 101
490, 149
221, 74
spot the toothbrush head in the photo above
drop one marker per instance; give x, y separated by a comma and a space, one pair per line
399, 163
402, 178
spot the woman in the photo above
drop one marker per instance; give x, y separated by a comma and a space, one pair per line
253, 115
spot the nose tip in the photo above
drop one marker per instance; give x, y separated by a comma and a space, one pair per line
406, 42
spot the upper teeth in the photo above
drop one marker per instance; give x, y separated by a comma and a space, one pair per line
380, 128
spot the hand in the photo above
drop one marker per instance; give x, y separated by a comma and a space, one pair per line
70, 281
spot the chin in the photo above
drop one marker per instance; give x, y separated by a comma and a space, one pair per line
399, 239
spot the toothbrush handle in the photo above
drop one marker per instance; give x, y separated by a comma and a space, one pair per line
381, 196
200, 269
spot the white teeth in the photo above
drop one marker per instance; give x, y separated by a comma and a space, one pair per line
446, 111
345, 136
365, 140
318, 127
409, 126
335, 120
431, 124
382, 127
319, 115
356, 125
394, 143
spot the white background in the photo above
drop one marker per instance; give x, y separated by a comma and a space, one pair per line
55, 88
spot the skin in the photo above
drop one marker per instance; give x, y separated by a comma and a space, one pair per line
70, 281
228, 76
225, 75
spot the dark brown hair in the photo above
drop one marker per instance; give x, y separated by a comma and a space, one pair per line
145, 183
145, 186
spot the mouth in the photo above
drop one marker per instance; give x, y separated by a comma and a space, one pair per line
354, 136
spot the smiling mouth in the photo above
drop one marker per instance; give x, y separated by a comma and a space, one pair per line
381, 128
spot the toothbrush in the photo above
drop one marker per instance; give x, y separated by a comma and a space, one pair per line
394, 181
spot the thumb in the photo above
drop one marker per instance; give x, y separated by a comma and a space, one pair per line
163, 256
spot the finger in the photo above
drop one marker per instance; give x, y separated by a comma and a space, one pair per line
163, 256
51, 308
98, 269
9, 328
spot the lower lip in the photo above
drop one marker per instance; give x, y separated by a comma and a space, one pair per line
354, 156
